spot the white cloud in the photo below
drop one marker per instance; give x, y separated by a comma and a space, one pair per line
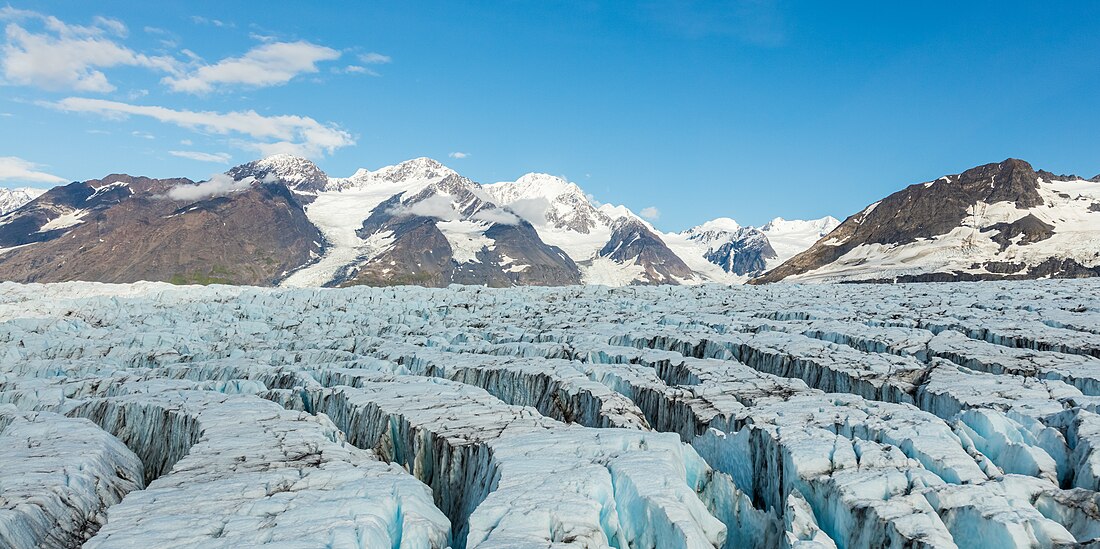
651, 213
265, 65
437, 205
532, 209
16, 169
299, 135
217, 158
143, 135
66, 56
186, 142
219, 184
356, 69
496, 215
373, 58
459, 155
200, 20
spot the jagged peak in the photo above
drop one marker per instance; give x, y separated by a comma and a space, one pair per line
416, 169
297, 172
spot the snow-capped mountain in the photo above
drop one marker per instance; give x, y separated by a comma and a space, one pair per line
790, 237
13, 199
996, 221
546, 200
297, 173
416, 222
736, 249
419, 222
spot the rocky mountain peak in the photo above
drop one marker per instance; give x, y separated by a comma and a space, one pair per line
1011, 180
299, 174
559, 203
417, 169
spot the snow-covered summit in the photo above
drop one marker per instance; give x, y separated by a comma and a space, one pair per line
13, 199
550, 200
823, 226
417, 172
719, 224
298, 173
790, 237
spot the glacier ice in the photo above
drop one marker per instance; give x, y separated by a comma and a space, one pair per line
926, 415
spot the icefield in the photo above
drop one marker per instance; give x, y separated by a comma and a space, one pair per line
841, 416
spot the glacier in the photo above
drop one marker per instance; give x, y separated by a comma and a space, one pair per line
847, 416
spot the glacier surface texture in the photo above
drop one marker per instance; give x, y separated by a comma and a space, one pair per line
844, 416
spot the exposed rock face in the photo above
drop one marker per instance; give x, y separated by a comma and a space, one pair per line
1026, 230
962, 227
49, 215
633, 243
124, 229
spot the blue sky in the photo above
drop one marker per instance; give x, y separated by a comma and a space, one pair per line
750, 109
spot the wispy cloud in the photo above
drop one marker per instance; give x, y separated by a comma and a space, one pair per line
200, 20
217, 158
270, 64
374, 58
63, 56
496, 215
143, 135
355, 69
436, 205
459, 155
13, 168
218, 184
651, 213
300, 135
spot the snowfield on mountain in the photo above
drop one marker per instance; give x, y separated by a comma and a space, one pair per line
820, 416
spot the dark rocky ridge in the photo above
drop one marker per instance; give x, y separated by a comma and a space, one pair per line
998, 270
253, 236
924, 210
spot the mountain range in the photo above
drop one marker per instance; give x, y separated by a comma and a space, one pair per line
283, 221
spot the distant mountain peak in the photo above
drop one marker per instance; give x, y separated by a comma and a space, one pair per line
296, 172
564, 205
717, 225
822, 225
416, 169
13, 199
